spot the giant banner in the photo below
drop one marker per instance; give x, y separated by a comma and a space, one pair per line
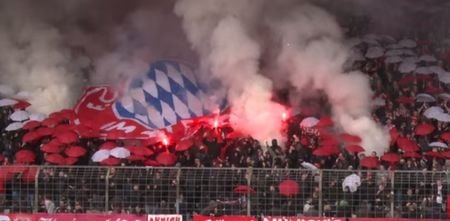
298, 218
225, 218
87, 217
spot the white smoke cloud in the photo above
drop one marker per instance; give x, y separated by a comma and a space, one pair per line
218, 30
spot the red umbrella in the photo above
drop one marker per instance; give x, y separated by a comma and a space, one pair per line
31, 125
234, 135
30, 136
288, 188
151, 163
68, 114
325, 121
45, 131
354, 149
111, 161
70, 160
184, 145
115, 135
369, 162
108, 145
326, 151
21, 104
140, 151
329, 141
67, 137
424, 129
446, 154
350, 138
434, 90
55, 159
391, 157
136, 158
407, 145
433, 154
50, 148
50, 122
446, 136
406, 80
412, 155
243, 189
75, 151
405, 100
25, 156
64, 128
166, 159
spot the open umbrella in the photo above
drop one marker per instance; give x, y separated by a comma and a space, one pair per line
50, 122
184, 144
140, 151
354, 148
407, 145
369, 162
446, 136
21, 105
309, 122
30, 125
375, 52
433, 112
136, 158
407, 43
70, 160
391, 157
326, 151
405, 100
75, 151
443, 117
407, 67
446, 154
38, 117
100, 155
423, 70
19, 115
166, 158
350, 138
25, 156
352, 182
243, 189
425, 98
427, 58
30, 136
14, 126
152, 163
111, 161
7, 102
67, 137
45, 131
424, 129
393, 59
411, 155
445, 96
438, 144
433, 154
55, 159
50, 148
288, 188
309, 166
120, 152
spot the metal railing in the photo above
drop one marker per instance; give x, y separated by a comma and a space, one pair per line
223, 191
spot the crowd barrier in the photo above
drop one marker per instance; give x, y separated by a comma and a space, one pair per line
225, 192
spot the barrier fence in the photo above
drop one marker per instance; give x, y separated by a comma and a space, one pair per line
224, 191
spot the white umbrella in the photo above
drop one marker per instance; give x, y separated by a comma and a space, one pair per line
443, 117
394, 46
120, 152
19, 115
433, 112
436, 69
14, 126
7, 102
407, 43
6, 90
354, 42
309, 122
352, 182
407, 67
393, 59
38, 116
445, 78
394, 52
408, 52
445, 96
100, 155
378, 102
309, 166
425, 98
375, 52
438, 144
412, 59
423, 70
427, 57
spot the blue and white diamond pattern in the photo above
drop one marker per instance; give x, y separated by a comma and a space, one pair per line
166, 94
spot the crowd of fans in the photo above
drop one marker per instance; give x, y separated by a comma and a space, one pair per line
381, 194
